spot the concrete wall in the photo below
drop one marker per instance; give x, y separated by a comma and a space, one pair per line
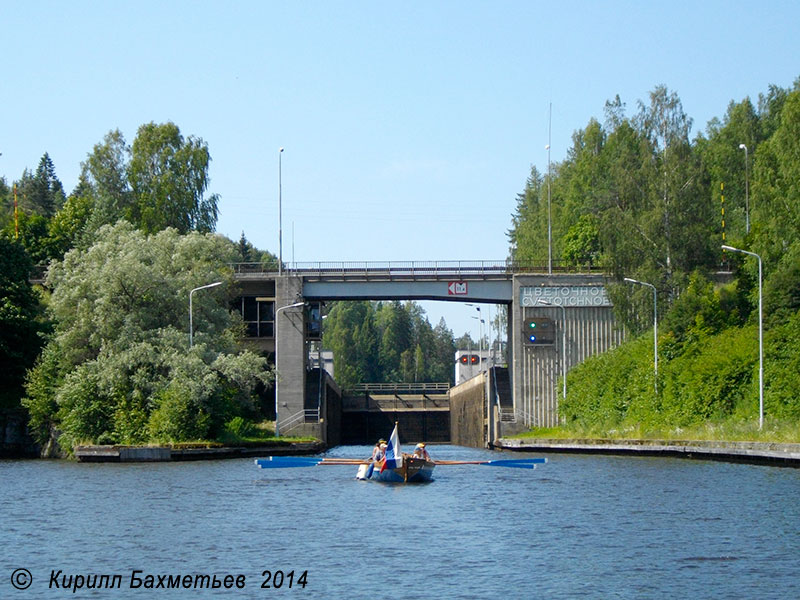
291, 354
467, 413
366, 427
588, 330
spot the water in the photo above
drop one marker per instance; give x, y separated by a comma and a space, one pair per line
577, 527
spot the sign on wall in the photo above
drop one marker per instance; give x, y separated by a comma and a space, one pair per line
457, 288
581, 295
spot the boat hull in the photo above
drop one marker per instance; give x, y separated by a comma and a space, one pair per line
414, 470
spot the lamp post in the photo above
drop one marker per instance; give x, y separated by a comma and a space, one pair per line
277, 377
760, 338
280, 214
480, 341
655, 328
549, 220
746, 189
563, 342
202, 287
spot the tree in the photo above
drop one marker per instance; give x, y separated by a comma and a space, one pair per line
776, 184
529, 222
118, 366
20, 321
67, 227
169, 177
106, 173
248, 253
46, 191
724, 162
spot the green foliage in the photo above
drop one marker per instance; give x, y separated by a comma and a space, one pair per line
41, 385
603, 388
782, 288
581, 243
240, 428
176, 416
711, 379
387, 342
118, 364
781, 368
168, 176
250, 254
20, 321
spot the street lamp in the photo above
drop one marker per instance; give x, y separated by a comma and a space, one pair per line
277, 377
549, 220
746, 189
202, 287
480, 340
760, 338
563, 342
655, 328
280, 213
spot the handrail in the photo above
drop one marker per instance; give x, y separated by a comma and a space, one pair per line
361, 388
455, 268
307, 415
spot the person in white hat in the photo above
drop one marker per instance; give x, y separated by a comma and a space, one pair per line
421, 452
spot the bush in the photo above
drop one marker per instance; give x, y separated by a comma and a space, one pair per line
176, 417
240, 428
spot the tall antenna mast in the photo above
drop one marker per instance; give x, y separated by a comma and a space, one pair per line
549, 218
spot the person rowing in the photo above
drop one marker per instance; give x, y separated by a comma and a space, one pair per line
379, 451
421, 452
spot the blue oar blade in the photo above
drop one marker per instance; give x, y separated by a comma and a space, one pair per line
512, 465
286, 462
519, 461
314, 459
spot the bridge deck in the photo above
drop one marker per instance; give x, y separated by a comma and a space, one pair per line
466, 270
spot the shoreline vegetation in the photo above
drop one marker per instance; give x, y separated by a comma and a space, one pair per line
100, 354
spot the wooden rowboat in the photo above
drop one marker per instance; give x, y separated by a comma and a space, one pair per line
402, 467
413, 470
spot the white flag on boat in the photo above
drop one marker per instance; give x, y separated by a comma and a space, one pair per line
394, 456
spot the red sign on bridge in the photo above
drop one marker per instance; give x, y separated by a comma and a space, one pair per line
457, 288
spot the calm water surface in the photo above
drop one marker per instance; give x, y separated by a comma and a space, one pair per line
577, 527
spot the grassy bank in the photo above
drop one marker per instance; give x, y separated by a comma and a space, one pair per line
728, 431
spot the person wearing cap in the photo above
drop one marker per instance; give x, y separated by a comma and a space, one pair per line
421, 452
379, 451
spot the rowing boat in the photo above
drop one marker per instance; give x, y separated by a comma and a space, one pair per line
395, 466
413, 470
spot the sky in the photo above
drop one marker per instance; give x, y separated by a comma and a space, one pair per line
408, 128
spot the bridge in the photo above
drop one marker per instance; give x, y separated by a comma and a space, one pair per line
282, 312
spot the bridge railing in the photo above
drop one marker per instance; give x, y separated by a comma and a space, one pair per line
414, 269
383, 388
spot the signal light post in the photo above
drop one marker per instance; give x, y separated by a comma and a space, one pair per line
539, 331
563, 342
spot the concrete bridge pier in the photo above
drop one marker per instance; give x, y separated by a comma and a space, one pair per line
290, 355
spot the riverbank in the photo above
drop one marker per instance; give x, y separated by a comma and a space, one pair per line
765, 453
185, 453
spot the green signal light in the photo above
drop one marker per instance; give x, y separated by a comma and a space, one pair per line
532, 325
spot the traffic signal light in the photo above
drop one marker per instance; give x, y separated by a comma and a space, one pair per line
467, 359
539, 331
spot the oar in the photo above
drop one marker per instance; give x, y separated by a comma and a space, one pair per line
517, 463
286, 462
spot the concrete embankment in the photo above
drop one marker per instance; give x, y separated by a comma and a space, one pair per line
764, 453
166, 453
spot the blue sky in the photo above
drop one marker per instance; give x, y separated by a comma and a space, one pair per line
409, 128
